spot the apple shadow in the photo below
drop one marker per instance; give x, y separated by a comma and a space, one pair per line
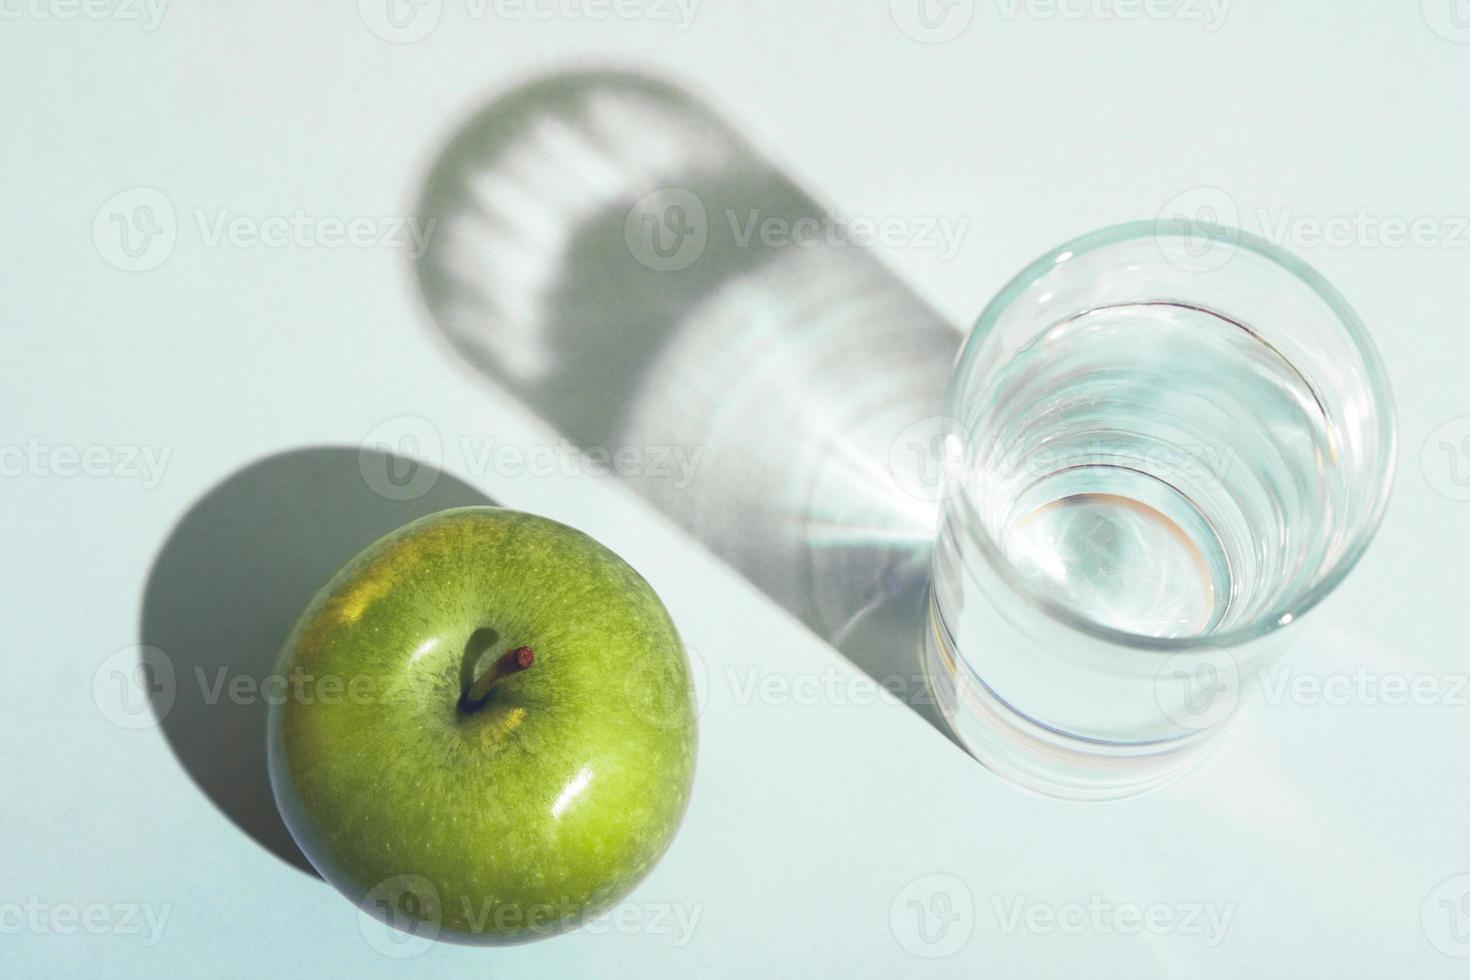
229, 582
618, 258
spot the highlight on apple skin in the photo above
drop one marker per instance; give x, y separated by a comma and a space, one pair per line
487, 733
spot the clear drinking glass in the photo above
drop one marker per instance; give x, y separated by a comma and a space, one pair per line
1170, 440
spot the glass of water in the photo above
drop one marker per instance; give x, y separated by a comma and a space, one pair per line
1168, 442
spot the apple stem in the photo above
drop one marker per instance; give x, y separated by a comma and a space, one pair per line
508, 663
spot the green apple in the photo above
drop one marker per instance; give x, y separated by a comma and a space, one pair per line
486, 731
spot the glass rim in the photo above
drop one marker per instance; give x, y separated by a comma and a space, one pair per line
1281, 614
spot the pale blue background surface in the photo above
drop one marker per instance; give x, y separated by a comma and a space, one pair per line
1323, 828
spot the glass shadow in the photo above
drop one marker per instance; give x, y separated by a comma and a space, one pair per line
617, 257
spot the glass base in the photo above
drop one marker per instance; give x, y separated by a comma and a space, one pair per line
1040, 758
